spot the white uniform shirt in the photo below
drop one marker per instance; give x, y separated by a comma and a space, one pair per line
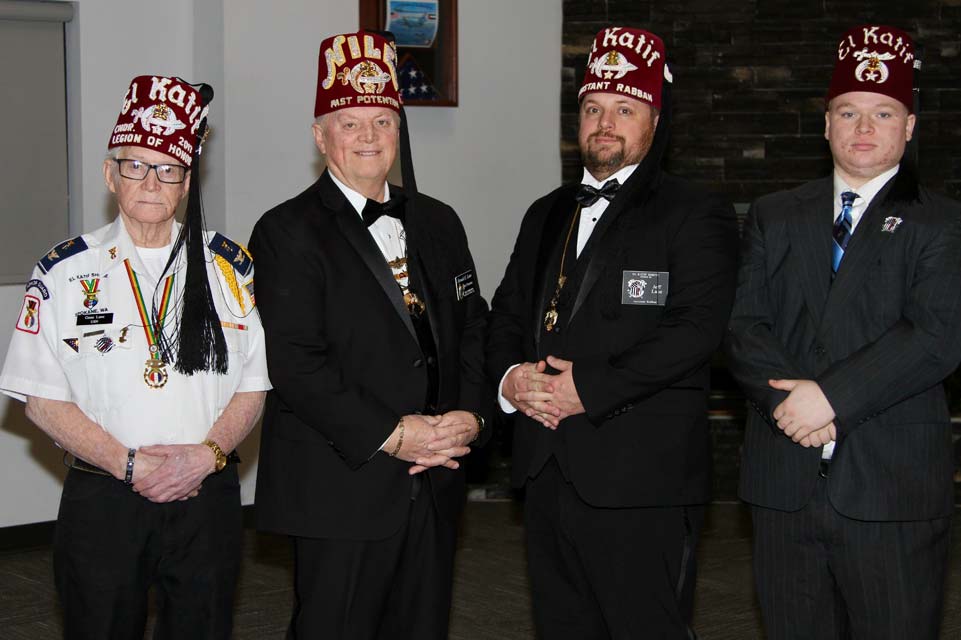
80, 338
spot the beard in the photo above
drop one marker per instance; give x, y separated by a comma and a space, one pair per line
609, 160
604, 162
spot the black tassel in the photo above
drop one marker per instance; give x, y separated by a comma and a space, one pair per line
197, 342
644, 177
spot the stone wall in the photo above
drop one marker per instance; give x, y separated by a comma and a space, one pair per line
750, 77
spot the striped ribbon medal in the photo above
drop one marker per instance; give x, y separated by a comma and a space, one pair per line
155, 369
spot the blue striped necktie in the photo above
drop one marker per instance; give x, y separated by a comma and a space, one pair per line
843, 228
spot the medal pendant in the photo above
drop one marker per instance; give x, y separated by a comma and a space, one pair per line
155, 373
550, 319
414, 304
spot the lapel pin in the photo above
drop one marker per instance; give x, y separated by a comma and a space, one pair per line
891, 224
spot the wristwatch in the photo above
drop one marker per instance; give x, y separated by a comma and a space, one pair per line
219, 453
480, 426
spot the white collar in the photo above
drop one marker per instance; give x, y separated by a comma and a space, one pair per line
117, 238
621, 176
866, 191
357, 200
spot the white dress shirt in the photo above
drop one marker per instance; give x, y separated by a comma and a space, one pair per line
387, 232
591, 215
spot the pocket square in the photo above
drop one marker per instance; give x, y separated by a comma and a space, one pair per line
891, 224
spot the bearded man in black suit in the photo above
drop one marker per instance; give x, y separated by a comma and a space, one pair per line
841, 336
615, 297
374, 330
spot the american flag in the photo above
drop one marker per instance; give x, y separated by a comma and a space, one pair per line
414, 83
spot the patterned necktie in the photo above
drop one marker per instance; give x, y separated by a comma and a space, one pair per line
843, 228
588, 195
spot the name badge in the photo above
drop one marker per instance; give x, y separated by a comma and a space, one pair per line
464, 284
90, 319
644, 287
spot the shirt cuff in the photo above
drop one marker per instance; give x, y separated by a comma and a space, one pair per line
505, 406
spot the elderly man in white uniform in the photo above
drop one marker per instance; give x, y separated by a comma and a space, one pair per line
138, 350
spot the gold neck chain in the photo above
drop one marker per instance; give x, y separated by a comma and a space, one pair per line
550, 318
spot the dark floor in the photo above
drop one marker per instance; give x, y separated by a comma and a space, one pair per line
490, 591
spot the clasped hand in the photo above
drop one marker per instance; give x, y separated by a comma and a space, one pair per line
164, 473
435, 441
805, 415
542, 396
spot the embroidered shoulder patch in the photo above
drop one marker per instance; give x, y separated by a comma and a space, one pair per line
29, 320
61, 251
39, 286
233, 253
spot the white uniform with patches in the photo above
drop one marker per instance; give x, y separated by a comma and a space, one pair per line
62, 355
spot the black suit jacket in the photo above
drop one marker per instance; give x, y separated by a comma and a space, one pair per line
878, 340
345, 363
641, 370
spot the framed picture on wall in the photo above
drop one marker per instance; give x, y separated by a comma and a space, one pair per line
426, 36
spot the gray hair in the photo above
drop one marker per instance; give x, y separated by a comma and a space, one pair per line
111, 155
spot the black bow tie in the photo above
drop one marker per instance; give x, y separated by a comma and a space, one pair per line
588, 195
393, 208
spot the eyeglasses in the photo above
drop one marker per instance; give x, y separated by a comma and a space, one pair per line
138, 170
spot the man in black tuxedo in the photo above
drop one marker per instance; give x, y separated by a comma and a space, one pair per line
615, 297
374, 330
841, 338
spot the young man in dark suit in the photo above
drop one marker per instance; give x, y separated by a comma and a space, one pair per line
615, 297
841, 336
374, 329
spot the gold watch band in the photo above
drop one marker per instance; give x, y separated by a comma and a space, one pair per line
218, 453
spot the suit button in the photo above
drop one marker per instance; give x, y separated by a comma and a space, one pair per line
819, 350
418, 363
431, 360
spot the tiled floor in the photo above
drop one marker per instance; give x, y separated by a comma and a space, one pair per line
490, 593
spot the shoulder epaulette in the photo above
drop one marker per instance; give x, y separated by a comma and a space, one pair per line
232, 253
63, 250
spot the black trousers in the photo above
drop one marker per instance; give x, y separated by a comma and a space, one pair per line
396, 588
821, 575
111, 546
599, 573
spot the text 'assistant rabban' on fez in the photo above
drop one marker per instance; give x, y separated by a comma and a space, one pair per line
169, 115
876, 59
627, 62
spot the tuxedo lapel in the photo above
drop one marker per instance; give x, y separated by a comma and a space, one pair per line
553, 234
866, 242
352, 227
810, 237
602, 245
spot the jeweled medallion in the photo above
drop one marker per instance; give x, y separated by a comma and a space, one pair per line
155, 373
91, 288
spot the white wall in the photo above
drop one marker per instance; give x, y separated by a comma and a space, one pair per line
489, 157
106, 48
